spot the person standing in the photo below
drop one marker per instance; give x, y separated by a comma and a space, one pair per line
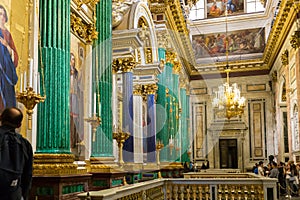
260, 167
8, 63
16, 157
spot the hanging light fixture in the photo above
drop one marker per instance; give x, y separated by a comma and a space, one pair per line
228, 101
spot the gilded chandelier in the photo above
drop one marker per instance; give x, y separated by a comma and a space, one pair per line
228, 101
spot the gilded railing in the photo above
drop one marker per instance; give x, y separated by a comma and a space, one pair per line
243, 186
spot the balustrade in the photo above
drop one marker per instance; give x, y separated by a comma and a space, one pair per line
210, 187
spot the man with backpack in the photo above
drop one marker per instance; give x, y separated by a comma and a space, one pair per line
16, 157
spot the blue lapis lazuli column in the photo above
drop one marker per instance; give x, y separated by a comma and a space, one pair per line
127, 116
151, 137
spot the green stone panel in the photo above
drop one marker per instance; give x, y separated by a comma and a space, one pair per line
102, 183
117, 182
68, 189
44, 191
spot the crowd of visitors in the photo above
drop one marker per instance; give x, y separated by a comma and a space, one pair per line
286, 173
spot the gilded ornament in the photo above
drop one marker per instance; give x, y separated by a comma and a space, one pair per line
85, 31
295, 40
285, 57
137, 89
124, 64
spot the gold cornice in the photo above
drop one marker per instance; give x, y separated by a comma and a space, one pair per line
236, 66
86, 32
175, 21
283, 23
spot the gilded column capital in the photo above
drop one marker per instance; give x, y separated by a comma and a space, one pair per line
150, 89
285, 57
170, 57
295, 40
137, 90
123, 64
182, 83
176, 66
115, 66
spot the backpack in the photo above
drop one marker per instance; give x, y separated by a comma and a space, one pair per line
12, 159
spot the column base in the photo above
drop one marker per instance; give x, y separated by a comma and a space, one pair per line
56, 164
105, 173
171, 170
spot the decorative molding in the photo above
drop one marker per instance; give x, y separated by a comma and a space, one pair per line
283, 22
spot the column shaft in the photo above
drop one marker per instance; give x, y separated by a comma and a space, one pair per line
128, 115
102, 60
138, 128
53, 133
151, 129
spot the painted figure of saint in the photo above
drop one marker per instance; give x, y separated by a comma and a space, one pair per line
75, 136
8, 63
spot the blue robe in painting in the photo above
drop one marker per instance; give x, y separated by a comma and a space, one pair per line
8, 77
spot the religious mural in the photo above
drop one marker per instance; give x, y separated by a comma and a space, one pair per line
216, 8
13, 51
239, 42
77, 59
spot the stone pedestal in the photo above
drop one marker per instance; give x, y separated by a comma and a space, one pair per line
61, 187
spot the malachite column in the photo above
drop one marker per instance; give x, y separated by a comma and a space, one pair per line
175, 114
184, 127
102, 80
53, 131
188, 124
151, 123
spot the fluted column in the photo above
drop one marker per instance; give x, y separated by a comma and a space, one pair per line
53, 141
138, 124
184, 127
150, 90
161, 119
126, 65
102, 71
175, 115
